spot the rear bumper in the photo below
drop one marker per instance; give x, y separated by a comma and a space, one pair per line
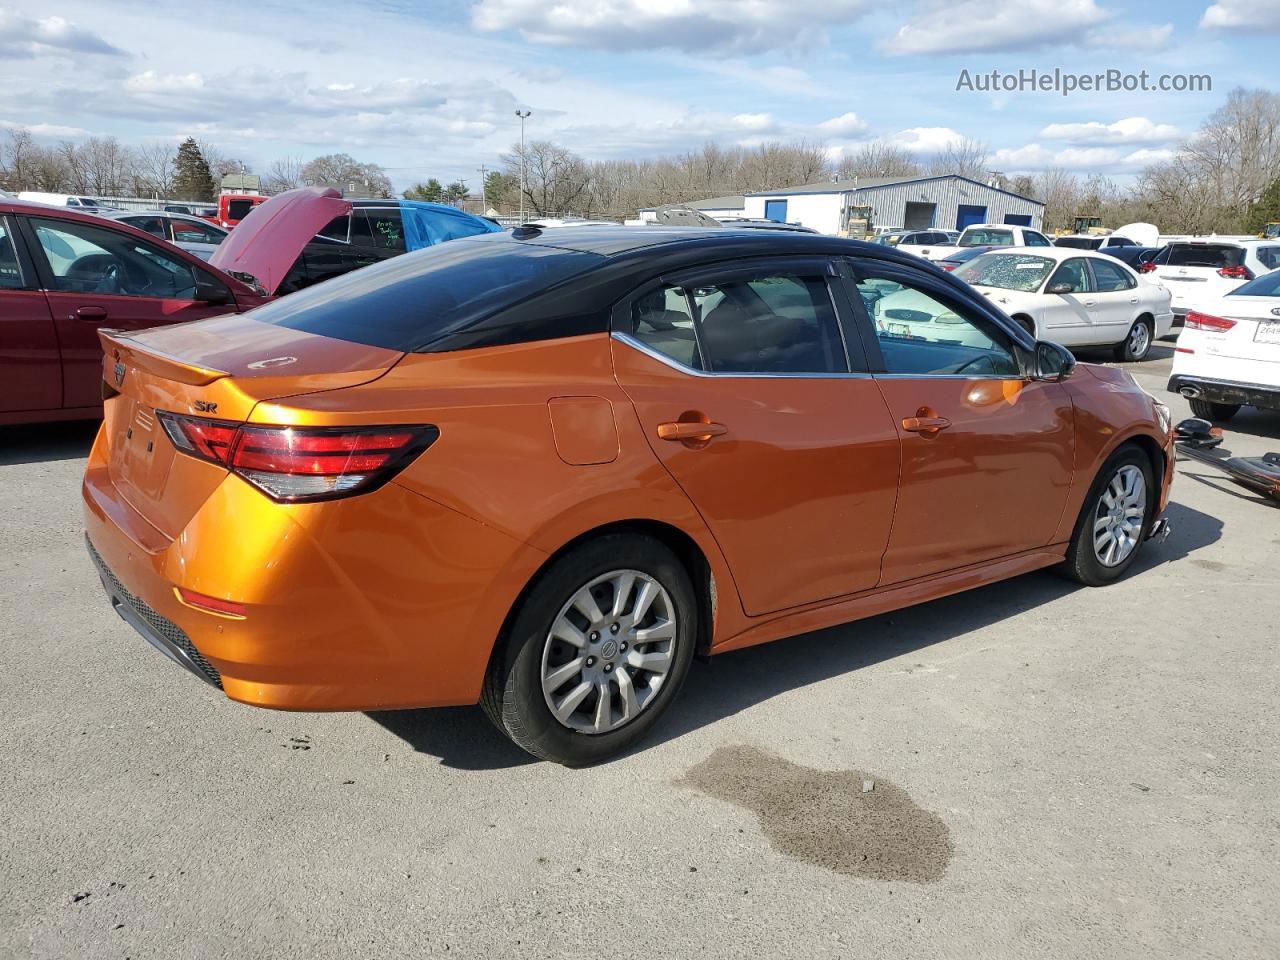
1225, 391
382, 601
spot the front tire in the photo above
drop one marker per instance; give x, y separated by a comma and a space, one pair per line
1137, 344
596, 652
1114, 520
1208, 410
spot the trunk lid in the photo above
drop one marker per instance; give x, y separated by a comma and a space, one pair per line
1256, 335
268, 241
219, 369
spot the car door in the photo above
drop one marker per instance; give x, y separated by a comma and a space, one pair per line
1067, 316
30, 366
1116, 300
377, 233
96, 277
987, 452
742, 384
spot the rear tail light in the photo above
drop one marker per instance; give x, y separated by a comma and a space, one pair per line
947, 266
293, 464
1146, 268
1204, 321
1236, 273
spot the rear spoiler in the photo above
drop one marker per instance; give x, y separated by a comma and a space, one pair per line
119, 347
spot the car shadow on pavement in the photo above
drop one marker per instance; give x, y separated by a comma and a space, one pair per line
463, 738
39, 442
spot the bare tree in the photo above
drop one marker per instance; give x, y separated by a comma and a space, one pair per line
555, 179
878, 159
965, 158
153, 172
284, 175
343, 171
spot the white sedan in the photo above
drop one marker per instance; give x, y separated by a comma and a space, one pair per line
1228, 354
1074, 297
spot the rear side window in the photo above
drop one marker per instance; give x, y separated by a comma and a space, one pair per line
776, 323
380, 228
1205, 255
1269, 257
10, 274
407, 302
1111, 277
1036, 239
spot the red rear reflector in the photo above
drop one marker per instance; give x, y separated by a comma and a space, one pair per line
203, 601
947, 266
1182, 350
295, 464
1205, 321
1146, 268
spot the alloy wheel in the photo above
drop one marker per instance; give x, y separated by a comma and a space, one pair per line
1121, 514
608, 651
1139, 340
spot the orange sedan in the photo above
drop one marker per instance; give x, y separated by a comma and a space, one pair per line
543, 470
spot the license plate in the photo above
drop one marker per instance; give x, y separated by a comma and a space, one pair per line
1268, 332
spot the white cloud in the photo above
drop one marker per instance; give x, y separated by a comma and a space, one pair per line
977, 26
46, 129
1255, 15
1129, 130
1129, 38
926, 139
844, 126
22, 36
1033, 157
717, 27
755, 122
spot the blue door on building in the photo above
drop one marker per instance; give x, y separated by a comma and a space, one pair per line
1018, 219
969, 214
775, 210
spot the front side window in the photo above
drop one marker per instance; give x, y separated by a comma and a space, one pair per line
1034, 239
338, 229
987, 238
1111, 277
1074, 274
782, 323
1008, 271
921, 334
89, 259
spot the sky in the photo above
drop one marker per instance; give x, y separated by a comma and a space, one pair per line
431, 89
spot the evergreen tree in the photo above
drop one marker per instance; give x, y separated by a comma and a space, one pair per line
192, 179
1266, 209
431, 190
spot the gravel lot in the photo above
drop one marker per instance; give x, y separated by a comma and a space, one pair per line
1030, 770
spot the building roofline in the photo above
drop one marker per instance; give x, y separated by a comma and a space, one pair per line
799, 192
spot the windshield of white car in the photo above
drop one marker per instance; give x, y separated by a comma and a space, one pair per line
1267, 285
1008, 271
987, 238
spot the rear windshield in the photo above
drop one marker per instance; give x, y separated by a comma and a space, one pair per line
987, 238
1267, 285
1076, 243
238, 209
408, 301
1205, 255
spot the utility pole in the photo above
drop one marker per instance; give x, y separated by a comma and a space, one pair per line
484, 197
523, 115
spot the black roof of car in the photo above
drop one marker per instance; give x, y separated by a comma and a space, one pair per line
616, 241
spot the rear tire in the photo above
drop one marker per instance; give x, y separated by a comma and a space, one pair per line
1137, 342
1208, 410
1090, 559
552, 650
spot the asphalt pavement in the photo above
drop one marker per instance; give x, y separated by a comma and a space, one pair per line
1033, 769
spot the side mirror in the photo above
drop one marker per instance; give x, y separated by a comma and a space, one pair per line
1054, 362
210, 291
1060, 288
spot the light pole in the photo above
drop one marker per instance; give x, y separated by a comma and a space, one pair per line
523, 115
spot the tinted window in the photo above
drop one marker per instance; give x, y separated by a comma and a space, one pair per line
153, 225
775, 323
987, 238
406, 302
378, 228
238, 209
1009, 271
1267, 285
10, 275
339, 228
1075, 243
1204, 255
1111, 277
1269, 257
87, 259
920, 334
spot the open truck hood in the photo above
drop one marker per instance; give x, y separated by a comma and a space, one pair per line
267, 242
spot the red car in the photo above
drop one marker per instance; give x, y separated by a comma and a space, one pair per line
234, 207
64, 275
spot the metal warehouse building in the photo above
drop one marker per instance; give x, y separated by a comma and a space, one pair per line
949, 203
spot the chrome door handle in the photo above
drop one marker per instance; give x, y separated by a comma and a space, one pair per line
1133, 299
1091, 303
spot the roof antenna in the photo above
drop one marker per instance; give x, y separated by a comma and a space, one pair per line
526, 231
